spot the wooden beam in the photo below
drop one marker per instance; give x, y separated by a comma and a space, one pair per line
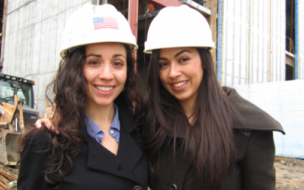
133, 21
164, 3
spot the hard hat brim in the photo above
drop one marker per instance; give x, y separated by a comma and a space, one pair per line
63, 53
150, 49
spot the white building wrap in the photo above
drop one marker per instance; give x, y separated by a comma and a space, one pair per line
254, 41
301, 38
278, 40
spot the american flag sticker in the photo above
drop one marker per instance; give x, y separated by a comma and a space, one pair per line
104, 22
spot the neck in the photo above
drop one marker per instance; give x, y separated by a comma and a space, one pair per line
101, 115
189, 109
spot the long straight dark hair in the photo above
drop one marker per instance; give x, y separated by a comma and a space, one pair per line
208, 142
70, 87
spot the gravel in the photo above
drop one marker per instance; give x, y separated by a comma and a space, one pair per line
289, 173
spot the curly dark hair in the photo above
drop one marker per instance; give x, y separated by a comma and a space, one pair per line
208, 142
70, 87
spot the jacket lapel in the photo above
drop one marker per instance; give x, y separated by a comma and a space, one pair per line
129, 152
99, 158
129, 149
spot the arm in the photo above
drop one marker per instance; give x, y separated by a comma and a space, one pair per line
32, 165
257, 168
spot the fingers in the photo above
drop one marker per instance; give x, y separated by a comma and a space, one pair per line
38, 124
49, 112
47, 123
50, 126
50, 119
49, 109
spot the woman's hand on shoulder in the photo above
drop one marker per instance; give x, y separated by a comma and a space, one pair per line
50, 120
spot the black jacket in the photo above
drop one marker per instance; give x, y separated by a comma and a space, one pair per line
255, 153
94, 167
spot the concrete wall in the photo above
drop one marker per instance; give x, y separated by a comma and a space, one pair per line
253, 41
33, 40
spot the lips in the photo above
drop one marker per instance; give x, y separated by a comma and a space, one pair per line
179, 84
105, 88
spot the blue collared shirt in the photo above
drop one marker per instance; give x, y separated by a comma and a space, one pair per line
95, 132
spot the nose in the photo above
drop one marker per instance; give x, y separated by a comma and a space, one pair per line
106, 72
174, 70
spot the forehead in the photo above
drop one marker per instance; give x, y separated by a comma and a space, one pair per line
173, 51
106, 48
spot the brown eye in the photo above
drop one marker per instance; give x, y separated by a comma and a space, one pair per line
93, 62
118, 63
160, 65
184, 59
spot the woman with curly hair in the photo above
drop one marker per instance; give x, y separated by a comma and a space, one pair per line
97, 104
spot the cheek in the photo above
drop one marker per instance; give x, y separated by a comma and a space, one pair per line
197, 73
198, 69
162, 77
200, 74
163, 80
122, 77
87, 73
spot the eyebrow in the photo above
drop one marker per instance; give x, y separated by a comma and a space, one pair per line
161, 58
95, 55
117, 55
181, 52
99, 56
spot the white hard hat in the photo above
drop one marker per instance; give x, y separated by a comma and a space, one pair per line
95, 24
179, 26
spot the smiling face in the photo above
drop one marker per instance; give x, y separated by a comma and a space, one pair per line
181, 72
105, 70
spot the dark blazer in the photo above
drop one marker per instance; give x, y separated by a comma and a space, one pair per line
255, 153
94, 167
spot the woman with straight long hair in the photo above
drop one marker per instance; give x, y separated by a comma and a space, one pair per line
97, 103
197, 134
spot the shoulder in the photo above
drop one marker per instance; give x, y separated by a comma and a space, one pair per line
33, 161
251, 116
38, 140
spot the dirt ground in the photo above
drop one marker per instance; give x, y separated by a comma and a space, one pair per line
289, 173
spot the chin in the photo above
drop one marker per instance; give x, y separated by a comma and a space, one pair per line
104, 103
180, 98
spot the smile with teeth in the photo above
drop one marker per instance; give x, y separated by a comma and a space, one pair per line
179, 84
105, 89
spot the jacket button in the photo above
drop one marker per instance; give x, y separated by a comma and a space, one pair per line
173, 187
136, 187
119, 167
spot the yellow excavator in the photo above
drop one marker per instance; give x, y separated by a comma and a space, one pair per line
16, 113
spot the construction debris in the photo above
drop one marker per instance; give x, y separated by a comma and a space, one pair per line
7, 175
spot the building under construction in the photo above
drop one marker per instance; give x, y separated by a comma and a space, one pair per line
257, 40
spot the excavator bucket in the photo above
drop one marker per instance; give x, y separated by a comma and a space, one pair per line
11, 127
9, 147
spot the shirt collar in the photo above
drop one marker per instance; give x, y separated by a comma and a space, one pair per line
115, 123
93, 129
